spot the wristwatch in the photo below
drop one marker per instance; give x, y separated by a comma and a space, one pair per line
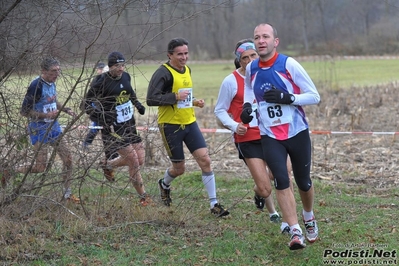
292, 98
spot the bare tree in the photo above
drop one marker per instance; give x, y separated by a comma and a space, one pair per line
82, 32
78, 33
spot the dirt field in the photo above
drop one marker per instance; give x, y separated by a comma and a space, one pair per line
341, 156
367, 157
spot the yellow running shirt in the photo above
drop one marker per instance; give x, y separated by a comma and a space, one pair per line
182, 112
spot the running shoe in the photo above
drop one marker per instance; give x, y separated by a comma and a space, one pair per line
145, 200
72, 198
275, 218
219, 211
286, 230
259, 202
311, 230
165, 193
297, 240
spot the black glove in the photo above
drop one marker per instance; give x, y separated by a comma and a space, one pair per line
278, 96
140, 108
246, 116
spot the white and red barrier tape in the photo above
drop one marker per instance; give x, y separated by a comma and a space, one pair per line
314, 132
217, 130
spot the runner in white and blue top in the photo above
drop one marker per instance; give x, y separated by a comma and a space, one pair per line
280, 86
41, 96
287, 75
41, 107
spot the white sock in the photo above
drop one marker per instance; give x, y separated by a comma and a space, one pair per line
208, 178
273, 213
307, 215
167, 178
67, 193
283, 226
295, 227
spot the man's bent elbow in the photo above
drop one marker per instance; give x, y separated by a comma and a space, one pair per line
151, 102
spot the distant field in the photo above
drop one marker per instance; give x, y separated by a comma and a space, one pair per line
338, 74
326, 74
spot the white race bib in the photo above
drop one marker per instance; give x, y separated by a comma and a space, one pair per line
254, 122
188, 102
273, 114
48, 108
124, 112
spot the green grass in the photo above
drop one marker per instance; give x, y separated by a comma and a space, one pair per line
344, 74
187, 234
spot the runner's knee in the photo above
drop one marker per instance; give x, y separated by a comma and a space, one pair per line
282, 183
179, 169
304, 184
264, 192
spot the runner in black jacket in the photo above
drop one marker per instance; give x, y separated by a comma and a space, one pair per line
111, 102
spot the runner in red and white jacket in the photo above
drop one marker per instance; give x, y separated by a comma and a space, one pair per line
246, 137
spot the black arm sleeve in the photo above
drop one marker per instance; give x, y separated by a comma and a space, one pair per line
160, 88
94, 101
32, 95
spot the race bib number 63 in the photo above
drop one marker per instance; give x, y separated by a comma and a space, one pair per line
275, 114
